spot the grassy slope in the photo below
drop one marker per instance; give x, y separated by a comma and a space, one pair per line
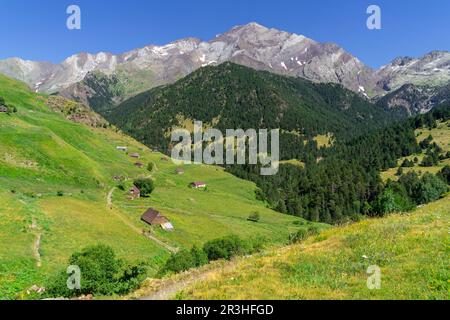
41, 153
441, 135
411, 250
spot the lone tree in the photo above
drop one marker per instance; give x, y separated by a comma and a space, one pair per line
146, 186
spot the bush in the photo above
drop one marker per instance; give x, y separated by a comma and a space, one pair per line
150, 166
425, 189
444, 174
407, 164
254, 217
226, 248
178, 262
393, 199
424, 144
303, 234
298, 236
199, 256
185, 260
429, 189
101, 274
145, 185
223, 248
60, 193
427, 162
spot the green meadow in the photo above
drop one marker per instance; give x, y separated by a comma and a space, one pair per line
410, 250
55, 178
441, 135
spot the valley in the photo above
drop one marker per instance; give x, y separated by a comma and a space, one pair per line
55, 175
359, 179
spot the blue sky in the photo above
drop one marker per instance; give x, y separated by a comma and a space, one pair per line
36, 29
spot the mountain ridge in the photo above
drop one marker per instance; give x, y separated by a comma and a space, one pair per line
251, 45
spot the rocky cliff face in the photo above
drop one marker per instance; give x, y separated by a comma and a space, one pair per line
414, 99
432, 70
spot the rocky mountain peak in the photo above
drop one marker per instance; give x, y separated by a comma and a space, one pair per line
402, 61
251, 45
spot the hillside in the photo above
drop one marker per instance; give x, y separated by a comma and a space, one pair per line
410, 249
231, 96
441, 136
58, 195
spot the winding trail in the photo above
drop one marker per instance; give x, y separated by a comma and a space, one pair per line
37, 243
109, 198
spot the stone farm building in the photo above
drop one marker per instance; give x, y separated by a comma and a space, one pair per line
198, 185
3, 109
139, 164
154, 218
135, 155
135, 193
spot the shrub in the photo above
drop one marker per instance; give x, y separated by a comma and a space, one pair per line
254, 217
393, 199
313, 230
178, 262
101, 274
185, 260
199, 256
303, 234
226, 248
407, 164
429, 189
298, 236
150, 166
145, 185
60, 193
427, 162
424, 144
445, 174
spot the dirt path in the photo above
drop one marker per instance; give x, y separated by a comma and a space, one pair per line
132, 226
37, 243
169, 291
109, 198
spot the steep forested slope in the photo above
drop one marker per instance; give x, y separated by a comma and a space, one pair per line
230, 96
